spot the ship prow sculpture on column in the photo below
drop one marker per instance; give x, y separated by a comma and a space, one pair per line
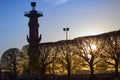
33, 38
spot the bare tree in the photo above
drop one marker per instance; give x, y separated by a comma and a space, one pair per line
101, 67
89, 49
10, 61
24, 59
66, 55
47, 56
111, 53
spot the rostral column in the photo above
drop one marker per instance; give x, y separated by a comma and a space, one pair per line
33, 38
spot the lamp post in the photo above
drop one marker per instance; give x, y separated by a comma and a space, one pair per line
67, 55
66, 30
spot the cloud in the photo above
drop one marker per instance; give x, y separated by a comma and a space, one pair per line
60, 1
57, 2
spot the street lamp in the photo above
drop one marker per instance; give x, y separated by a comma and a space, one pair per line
67, 57
66, 30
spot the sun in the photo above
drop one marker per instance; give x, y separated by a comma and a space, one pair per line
93, 46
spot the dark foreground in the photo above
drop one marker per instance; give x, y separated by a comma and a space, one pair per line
102, 76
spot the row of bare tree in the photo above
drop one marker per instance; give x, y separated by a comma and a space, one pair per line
94, 52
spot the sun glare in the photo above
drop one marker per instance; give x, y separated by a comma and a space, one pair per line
93, 46
90, 32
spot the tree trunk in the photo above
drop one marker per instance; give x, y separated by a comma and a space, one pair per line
53, 67
69, 71
92, 72
43, 71
14, 68
116, 71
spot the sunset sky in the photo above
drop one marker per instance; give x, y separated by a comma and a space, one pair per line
83, 17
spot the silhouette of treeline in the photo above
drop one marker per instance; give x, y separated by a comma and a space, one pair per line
97, 53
